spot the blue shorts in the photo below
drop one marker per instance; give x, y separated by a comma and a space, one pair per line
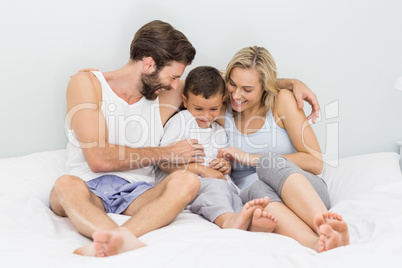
117, 193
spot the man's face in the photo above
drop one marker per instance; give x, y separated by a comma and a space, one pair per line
165, 79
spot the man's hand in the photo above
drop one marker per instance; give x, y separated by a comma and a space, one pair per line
302, 92
86, 70
184, 151
208, 172
221, 164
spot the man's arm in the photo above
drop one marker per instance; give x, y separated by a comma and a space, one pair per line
85, 117
301, 92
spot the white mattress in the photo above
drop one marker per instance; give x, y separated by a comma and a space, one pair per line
366, 190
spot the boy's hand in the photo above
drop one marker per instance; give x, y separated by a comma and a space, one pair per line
221, 164
208, 172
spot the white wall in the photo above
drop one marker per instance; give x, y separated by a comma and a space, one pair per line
348, 52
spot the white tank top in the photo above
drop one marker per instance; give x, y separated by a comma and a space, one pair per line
133, 125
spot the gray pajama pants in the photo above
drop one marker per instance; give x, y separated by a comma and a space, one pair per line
273, 170
215, 198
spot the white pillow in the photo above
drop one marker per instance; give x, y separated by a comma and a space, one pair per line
356, 174
33, 174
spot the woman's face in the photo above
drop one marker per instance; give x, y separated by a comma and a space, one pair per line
245, 89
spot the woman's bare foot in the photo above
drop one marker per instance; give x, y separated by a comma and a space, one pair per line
262, 221
109, 243
333, 231
242, 219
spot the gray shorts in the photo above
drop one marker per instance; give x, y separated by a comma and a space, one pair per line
117, 193
273, 170
215, 197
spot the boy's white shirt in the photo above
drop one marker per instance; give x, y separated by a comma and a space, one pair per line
183, 126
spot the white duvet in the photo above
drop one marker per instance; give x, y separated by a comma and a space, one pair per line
366, 190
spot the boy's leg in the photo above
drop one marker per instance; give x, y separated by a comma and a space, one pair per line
220, 204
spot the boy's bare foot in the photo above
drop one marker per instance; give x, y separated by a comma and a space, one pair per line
333, 231
262, 221
242, 219
109, 243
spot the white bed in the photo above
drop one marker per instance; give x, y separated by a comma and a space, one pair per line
365, 189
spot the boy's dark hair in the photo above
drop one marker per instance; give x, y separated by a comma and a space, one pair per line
204, 80
162, 42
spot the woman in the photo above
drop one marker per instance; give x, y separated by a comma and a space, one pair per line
275, 152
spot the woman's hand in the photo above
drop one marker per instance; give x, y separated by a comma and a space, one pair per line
221, 164
208, 172
238, 156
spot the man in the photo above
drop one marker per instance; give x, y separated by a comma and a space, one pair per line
115, 123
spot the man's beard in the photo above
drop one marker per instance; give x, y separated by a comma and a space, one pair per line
150, 84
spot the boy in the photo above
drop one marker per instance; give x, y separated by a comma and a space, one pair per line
218, 199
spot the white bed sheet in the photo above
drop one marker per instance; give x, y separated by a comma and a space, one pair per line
367, 191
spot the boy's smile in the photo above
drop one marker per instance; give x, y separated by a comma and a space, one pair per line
205, 111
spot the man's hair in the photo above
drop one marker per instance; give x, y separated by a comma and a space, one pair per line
204, 80
162, 42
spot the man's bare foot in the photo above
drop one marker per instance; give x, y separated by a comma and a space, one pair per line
242, 219
87, 250
109, 243
333, 231
262, 221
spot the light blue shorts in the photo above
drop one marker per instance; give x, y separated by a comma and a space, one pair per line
117, 193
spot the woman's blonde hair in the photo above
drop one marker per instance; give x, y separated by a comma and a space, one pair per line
259, 59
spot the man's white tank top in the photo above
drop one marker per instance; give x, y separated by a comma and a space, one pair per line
136, 125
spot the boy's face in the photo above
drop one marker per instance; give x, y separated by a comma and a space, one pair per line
204, 110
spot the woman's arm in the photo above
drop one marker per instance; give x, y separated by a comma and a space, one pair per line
308, 156
301, 92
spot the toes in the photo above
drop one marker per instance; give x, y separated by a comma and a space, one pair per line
247, 205
257, 213
338, 217
251, 203
319, 220
321, 244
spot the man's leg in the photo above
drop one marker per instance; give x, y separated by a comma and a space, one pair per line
72, 198
153, 209
160, 205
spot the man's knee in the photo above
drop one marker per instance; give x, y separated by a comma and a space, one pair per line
69, 184
65, 187
184, 183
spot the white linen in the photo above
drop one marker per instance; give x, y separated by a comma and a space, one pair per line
32, 236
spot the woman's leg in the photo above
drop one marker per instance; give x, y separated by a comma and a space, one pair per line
302, 192
306, 195
288, 223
